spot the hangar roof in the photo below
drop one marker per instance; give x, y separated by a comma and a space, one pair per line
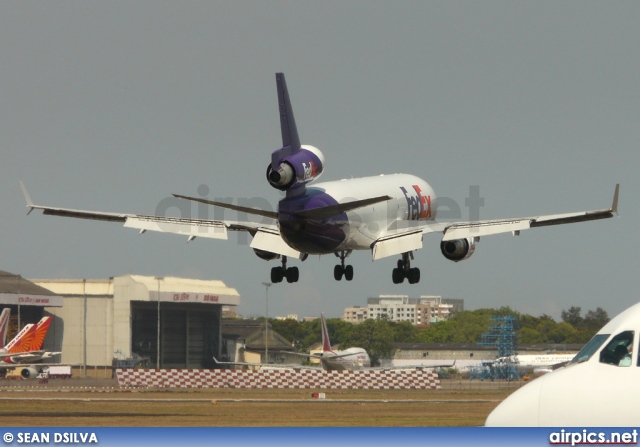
15, 290
148, 288
12, 283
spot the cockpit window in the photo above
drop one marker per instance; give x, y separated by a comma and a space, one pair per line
617, 351
590, 348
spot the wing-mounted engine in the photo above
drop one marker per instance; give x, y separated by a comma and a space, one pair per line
458, 249
296, 169
28, 373
266, 255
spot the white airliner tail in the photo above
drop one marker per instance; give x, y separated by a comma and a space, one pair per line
4, 325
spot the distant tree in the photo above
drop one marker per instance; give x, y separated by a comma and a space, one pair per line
404, 331
572, 316
594, 320
562, 333
530, 335
290, 329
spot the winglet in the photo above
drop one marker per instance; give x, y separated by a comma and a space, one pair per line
27, 197
614, 206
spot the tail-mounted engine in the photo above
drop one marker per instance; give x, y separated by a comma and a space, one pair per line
458, 249
297, 169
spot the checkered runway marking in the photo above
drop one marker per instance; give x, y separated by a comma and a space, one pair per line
419, 379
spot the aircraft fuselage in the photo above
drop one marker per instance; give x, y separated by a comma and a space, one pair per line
412, 199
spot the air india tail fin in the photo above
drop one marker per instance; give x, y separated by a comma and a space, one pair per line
4, 325
326, 343
22, 341
41, 332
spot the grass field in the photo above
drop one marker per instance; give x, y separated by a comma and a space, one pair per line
466, 406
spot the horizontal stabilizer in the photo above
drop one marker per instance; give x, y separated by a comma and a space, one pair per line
328, 211
242, 209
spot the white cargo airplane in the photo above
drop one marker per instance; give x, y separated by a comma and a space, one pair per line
538, 363
598, 388
387, 215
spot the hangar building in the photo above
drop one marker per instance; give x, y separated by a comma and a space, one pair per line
26, 300
170, 322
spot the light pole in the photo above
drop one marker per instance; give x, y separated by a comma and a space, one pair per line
266, 324
158, 278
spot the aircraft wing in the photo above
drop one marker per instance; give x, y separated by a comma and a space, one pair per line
12, 366
268, 365
399, 240
391, 368
20, 357
266, 236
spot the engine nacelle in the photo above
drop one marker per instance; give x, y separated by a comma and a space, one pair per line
458, 249
302, 167
29, 373
266, 255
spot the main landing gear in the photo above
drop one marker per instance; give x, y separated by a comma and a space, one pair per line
279, 273
340, 270
404, 270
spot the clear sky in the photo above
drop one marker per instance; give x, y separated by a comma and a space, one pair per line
113, 106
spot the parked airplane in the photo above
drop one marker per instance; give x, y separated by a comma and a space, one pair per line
32, 352
330, 360
26, 349
387, 214
596, 389
4, 326
350, 358
538, 363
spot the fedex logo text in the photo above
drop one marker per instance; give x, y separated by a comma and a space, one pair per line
419, 206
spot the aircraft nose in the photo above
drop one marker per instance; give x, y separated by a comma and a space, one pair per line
520, 409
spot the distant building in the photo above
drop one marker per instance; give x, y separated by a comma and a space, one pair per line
288, 317
250, 341
99, 321
419, 311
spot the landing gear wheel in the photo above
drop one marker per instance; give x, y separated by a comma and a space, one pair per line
343, 270
413, 275
338, 272
348, 272
277, 274
404, 270
292, 274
